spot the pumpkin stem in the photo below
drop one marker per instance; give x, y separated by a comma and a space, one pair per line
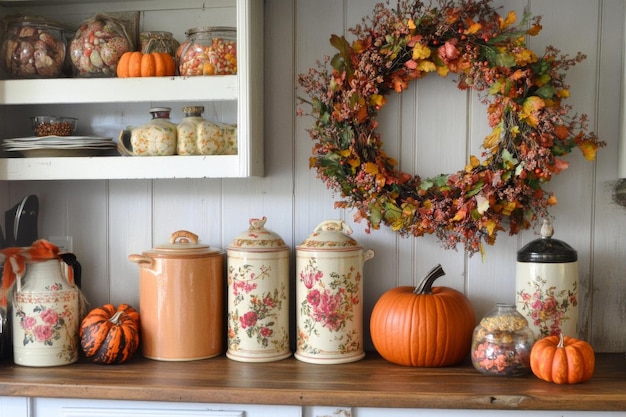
116, 317
426, 286
561, 341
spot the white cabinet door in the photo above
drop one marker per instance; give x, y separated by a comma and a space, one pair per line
56, 407
14, 407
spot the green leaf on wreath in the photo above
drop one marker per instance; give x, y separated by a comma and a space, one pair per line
547, 91
392, 212
476, 189
341, 60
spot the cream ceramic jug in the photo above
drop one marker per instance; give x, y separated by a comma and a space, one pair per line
46, 307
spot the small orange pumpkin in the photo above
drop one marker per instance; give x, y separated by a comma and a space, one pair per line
138, 64
109, 335
425, 326
562, 360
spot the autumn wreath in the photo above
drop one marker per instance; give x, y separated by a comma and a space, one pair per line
532, 128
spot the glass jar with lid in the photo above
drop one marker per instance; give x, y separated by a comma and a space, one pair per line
158, 41
208, 51
33, 47
502, 342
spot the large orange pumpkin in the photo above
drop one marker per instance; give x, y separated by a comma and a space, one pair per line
425, 326
138, 64
109, 335
562, 360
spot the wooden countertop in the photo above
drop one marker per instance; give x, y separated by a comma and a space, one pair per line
371, 382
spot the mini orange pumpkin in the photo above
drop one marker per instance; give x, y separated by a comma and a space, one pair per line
562, 360
109, 335
424, 326
138, 64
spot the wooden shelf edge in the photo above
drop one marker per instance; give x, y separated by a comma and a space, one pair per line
371, 382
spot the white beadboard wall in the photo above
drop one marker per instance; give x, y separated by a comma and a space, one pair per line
430, 129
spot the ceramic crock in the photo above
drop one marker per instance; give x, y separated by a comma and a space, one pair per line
181, 299
258, 295
46, 315
329, 295
547, 285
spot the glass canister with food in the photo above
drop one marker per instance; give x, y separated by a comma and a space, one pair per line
33, 47
208, 51
98, 45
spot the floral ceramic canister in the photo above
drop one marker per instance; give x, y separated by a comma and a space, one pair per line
258, 296
547, 285
329, 295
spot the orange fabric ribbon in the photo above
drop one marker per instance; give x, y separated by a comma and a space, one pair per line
16, 259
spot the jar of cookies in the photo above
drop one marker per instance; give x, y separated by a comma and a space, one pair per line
501, 343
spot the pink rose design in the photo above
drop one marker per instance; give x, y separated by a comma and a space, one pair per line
313, 298
49, 317
28, 323
248, 320
266, 332
42, 332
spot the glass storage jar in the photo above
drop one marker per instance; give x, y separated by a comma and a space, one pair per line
208, 51
158, 42
501, 343
34, 48
98, 45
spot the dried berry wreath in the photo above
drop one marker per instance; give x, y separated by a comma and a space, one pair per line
532, 128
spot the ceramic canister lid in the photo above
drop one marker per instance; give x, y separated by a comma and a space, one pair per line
258, 238
547, 250
330, 235
182, 244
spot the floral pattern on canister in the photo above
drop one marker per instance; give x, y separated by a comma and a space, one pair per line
48, 320
329, 303
547, 307
254, 313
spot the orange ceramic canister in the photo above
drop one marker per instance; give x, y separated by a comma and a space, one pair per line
181, 299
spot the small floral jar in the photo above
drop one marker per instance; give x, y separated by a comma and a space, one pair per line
501, 343
258, 296
329, 295
546, 285
158, 137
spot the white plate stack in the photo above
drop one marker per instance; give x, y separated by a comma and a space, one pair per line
47, 146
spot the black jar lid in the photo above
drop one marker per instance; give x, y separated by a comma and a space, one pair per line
547, 250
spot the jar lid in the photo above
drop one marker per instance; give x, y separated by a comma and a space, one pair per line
193, 109
257, 237
159, 109
547, 250
183, 243
205, 29
330, 234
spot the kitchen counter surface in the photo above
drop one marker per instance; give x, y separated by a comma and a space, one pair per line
371, 382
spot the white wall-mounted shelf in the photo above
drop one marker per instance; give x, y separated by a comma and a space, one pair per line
245, 88
118, 90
